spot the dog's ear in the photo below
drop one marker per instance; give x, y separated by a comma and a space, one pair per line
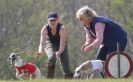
14, 54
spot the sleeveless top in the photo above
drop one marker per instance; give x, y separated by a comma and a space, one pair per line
54, 39
113, 32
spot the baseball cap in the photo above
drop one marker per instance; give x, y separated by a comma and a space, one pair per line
52, 15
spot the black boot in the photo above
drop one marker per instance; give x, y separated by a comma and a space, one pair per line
50, 70
69, 76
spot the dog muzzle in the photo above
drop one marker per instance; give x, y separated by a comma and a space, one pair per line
77, 75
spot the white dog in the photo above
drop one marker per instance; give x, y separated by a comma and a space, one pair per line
22, 66
90, 67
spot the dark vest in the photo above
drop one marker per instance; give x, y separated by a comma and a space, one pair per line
54, 39
113, 32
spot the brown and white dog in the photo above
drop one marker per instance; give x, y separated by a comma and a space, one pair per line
22, 66
91, 68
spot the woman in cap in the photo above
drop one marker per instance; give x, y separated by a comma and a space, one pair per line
54, 40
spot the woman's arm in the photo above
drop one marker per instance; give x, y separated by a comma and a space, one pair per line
42, 39
99, 29
89, 38
63, 39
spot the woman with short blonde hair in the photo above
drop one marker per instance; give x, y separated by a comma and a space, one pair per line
86, 12
101, 32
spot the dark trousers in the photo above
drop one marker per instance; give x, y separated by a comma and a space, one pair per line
105, 50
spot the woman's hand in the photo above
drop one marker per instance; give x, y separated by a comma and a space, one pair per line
83, 46
37, 53
57, 55
87, 48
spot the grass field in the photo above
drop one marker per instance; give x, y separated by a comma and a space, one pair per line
64, 80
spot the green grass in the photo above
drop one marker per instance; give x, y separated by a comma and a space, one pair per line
64, 80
